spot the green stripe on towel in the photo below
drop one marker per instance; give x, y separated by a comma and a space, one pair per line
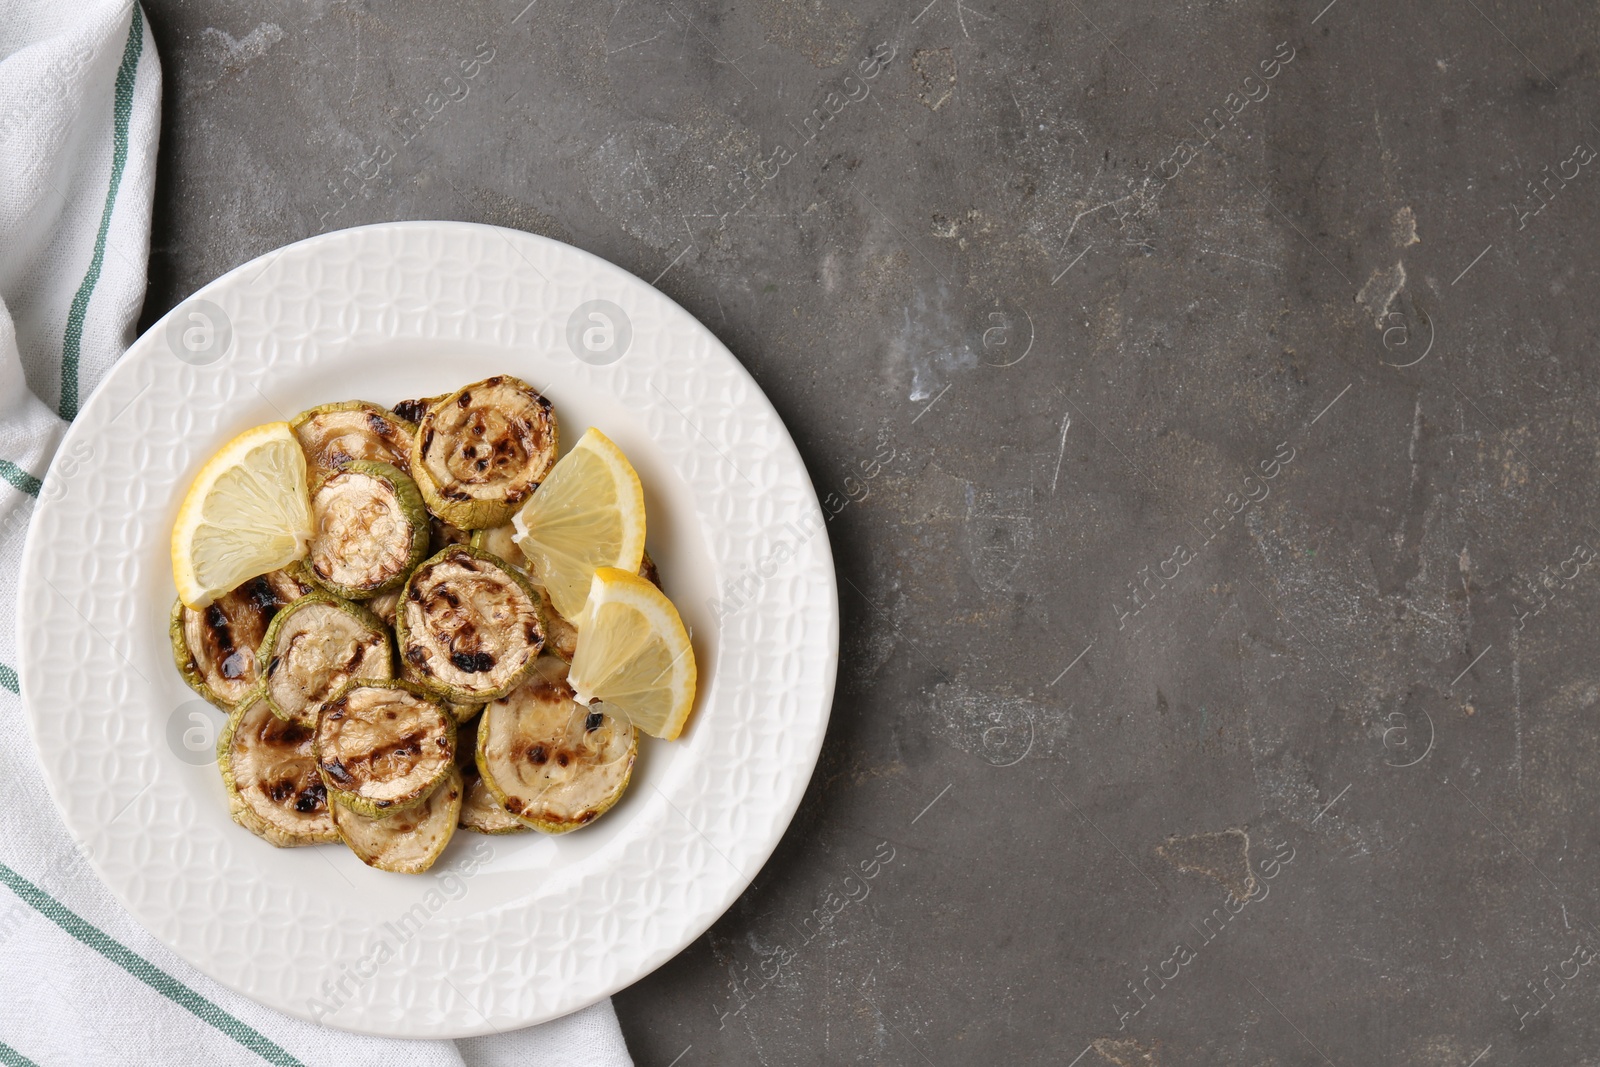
143, 969
8, 679
12, 1058
72, 346
20, 478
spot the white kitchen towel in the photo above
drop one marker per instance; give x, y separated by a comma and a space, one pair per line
80, 981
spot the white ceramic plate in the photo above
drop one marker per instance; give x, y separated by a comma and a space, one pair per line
504, 931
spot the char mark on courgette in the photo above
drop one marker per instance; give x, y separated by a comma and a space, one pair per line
648, 570
215, 647
547, 760
409, 841
468, 627
333, 435
270, 772
441, 535
561, 637
480, 811
481, 451
314, 646
383, 746
371, 529
413, 410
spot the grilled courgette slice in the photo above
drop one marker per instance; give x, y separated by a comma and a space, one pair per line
274, 790
499, 541
314, 646
371, 529
481, 451
480, 811
469, 627
384, 606
332, 435
383, 746
408, 841
560, 636
549, 761
441, 535
215, 647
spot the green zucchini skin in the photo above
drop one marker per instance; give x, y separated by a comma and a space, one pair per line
330, 547
236, 622
546, 761
463, 713
480, 811
429, 655
332, 435
497, 541
560, 636
270, 773
376, 659
407, 842
481, 451
435, 746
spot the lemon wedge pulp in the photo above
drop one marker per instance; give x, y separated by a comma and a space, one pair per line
587, 514
247, 513
633, 654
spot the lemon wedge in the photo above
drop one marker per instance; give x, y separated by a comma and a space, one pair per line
588, 513
634, 655
247, 513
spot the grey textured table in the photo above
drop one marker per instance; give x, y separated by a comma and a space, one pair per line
1205, 396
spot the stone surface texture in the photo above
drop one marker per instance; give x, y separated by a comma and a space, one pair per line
1206, 399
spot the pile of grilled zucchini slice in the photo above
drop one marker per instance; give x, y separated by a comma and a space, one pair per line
408, 677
